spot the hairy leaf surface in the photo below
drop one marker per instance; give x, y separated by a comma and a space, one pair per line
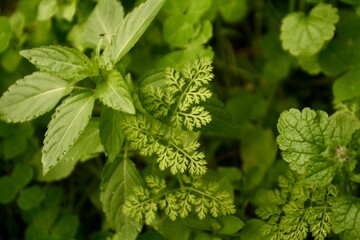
346, 218
64, 62
132, 27
65, 127
306, 35
31, 97
119, 179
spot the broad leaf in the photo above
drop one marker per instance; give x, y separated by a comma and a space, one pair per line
88, 143
304, 135
111, 133
119, 179
114, 93
64, 62
65, 127
22, 175
30, 197
132, 27
32, 96
306, 35
346, 218
103, 22
321, 171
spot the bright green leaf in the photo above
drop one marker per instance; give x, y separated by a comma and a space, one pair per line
175, 6
65, 127
61, 170
47, 9
320, 171
102, 22
119, 179
306, 35
132, 27
114, 93
309, 63
30, 197
22, 175
178, 30
233, 10
111, 133
64, 62
8, 189
304, 135
346, 218
5, 33
32, 96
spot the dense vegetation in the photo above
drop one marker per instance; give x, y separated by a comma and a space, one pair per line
169, 119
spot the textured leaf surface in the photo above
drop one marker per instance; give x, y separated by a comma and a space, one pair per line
304, 135
321, 172
305, 35
31, 97
119, 179
111, 133
346, 218
64, 62
113, 92
102, 22
132, 27
65, 127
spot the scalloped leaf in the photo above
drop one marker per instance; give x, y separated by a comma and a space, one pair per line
132, 27
111, 134
345, 217
32, 96
65, 127
114, 93
64, 62
119, 179
306, 35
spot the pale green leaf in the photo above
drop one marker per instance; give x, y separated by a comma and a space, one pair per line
64, 62
346, 217
304, 135
103, 22
47, 9
88, 144
321, 171
65, 127
5, 33
132, 27
32, 96
119, 179
111, 134
306, 35
114, 93
30, 197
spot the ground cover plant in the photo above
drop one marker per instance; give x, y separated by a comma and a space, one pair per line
168, 119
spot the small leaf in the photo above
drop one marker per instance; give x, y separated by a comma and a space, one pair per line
64, 62
32, 96
132, 27
22, 175
30, 197
65, 127
103, 22
8, 189
47, 9
321, 171
346, 217
114, 93
306, 35
233, 10
66, 227
5, 33
111, 134
304, 135
230, 224
119, 179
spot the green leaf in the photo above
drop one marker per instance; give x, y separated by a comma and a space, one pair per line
346, 218
111, 134
119, 179
22, 175
64, 62
47, 9
8, 189
66, 227
114, 93
30, 197
32, 96
65, 127
178, 30
132, 27
102, 22
230, 224
87, 145
304, 135
5, 33
306, 35
233, 10
320, 171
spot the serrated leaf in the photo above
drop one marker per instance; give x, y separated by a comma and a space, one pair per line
103, 22
65, 127
304, 135
87, 144
132, 27
111, 133
64, 62
306, 35
114, 93
119, 179
346, 217
32, 96
321, 171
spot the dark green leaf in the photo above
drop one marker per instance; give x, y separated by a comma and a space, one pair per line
30, 197
8, 189
66, 227
230, 224
22, 175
